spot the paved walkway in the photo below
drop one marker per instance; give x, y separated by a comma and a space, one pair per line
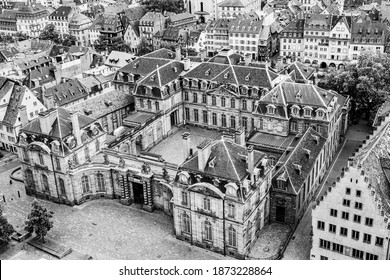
300, 244
104, 229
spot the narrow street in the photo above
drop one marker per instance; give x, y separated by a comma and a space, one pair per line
300, 244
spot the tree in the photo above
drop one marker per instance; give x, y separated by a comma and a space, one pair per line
103, 43
69, 40
39, 220
50, 33
6, 229
174, 6
19, 36
144, 47
366, 82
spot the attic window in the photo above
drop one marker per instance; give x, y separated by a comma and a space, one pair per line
226, 75
87, 111
307, 112
307, 152
136, 64
248, 77
153, 77
274, 97
298, 96
207, 73
316, 138
175, 69
297, 168
212, 163
108, 103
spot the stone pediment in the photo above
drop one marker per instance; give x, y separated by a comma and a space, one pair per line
226, 90
206, 189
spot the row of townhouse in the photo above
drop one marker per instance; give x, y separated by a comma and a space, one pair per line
329, 40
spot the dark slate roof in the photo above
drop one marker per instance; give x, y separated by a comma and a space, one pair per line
163, 75
301, 71
143, 65
161, 53
43, 74
269, 140
231, 3
62, 11
67, 92
297, 25
229, 161
368, 29
34, 63
311, 141
97, 106
135, 13
61, 123
58, 50
15, 101
118, 59
311, 95
318, 19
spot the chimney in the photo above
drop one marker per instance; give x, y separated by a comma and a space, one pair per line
240, 136
76, 127
186, 144
178, 53
228, 136
46, 120
23, 115
187, 64
203, 154
279, 65
251, 163
247, 59
288, 60
202, 53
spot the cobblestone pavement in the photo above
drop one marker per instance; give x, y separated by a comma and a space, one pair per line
104, 229
300, 244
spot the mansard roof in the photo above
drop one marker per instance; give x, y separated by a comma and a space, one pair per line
67, 92
300, 161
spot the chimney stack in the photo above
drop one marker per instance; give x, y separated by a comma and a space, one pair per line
240, 136
186, 144
187, 64
23, 115
202, 53
178, 52
228, 136
203, 154
46, 120
76, 127
247, 59
251, 163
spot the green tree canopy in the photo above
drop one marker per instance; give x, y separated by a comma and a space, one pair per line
367, 81
175, 6
103, 43
6, 229
39, 220
50, 33
69, 40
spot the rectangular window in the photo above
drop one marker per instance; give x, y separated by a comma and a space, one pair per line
357, 218
223, 102
245, 122
357, 254
232, 121
187, 113
233, 103
195, 97
184, 198
320, 225
204, 98
367, 238
205, 117
186, 96
345, 215
343, 231
379, 241
358, 193
324, 244
214, 118
369, 222
58, 164
206, 204
332, 228
213, 101
223, 120
348, 191
196, 115
371, 256
323, 258
358, 205
293, 126
338, 248
346, 202
333, 212
355, 235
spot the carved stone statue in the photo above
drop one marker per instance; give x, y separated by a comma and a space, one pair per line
145, 168
121, 162
165, 174
106, 160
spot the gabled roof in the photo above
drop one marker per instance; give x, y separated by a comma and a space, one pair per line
61, 123
67, 92
229, 161
163, 75
24, 65
62, 11
43, 74
135, 13
143, 65
161, 53
16, 99
298, 165
231, 3
302, 72
181, 16
297, 25
152, 16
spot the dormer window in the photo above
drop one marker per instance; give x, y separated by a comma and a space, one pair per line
307, 112
226, 75
152, 78
274, 97
298, 96
248, 77
271, 110
207, 73
320, 114
295, 111
298, 168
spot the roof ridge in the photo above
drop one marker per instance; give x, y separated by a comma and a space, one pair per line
318, 94
230, 159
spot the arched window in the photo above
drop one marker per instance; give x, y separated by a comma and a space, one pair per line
232, 237
85, 184
45, 183
231, 210
208, 231
30, 178
100, 182
61, 184
186, 223
206, 204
